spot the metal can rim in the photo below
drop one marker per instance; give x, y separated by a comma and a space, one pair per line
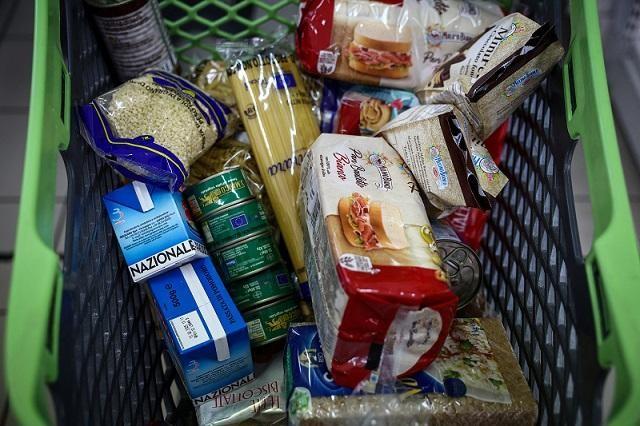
463, 303
248, 274
273, 303
268, 300
225, 207
233, 243
231, 169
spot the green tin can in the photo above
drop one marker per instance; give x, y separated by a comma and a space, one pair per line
266, 286
240, 259
270, 322
217, 192
233, 223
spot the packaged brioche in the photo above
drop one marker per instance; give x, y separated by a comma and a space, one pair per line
371, 254
492, 75
392, 45
449, 162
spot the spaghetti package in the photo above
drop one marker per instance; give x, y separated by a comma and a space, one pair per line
493, 74
451, 165
364, 110
372, 259
382, 44
152, 128
211, 76
276, 112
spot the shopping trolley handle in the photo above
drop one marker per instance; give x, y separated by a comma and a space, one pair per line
613, 264
32, 328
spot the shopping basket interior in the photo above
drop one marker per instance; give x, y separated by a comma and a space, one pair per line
112, 366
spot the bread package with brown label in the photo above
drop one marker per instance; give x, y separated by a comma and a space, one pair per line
390, 44
492, 75
449, 162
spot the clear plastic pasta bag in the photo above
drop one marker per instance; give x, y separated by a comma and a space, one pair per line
153, 127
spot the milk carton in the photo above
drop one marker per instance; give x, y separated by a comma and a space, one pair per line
207, 338
152, 228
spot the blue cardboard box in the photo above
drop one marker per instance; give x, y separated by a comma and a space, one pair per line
153, 229
206, 335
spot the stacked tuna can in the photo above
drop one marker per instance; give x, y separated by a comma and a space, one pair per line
241, 240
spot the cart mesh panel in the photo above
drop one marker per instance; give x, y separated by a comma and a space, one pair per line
111, 363
114, 369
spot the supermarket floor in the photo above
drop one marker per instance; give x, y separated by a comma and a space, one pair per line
16, 38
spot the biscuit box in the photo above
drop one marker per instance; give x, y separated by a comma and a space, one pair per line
207, 338
153, 229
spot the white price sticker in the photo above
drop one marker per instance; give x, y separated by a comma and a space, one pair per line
189, 330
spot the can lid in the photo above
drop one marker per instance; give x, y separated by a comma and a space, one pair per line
230, 169
224, 209
463, 268
252, 236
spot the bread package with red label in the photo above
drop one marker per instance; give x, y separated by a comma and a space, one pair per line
391, 45
364, 110
490, 77
450, 163
370, 254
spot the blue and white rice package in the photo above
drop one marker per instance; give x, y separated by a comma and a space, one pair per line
260, 401
153, 229
153, 127
207, 337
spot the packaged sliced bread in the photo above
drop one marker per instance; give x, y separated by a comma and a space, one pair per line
371, 254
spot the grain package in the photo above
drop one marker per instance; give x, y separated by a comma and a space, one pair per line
476, 380
492, 75
153, 127
382, 44
276, 112
371, 254
449, 162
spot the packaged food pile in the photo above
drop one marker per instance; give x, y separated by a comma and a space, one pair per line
353, 197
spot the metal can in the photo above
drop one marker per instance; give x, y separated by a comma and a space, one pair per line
270, 322
217, 192
273, 283
249, 256
460, 262
134, 34
237, 221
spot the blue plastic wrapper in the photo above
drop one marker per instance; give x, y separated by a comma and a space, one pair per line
153, 127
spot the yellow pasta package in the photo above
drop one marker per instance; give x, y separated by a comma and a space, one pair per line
276, 112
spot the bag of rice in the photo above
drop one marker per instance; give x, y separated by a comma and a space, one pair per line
492, 75
153, 127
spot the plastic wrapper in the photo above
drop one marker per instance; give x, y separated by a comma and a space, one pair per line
449, 162
390, 45
475, 380
259, 401
276, 112
492, 75
211, 77
152, 128
365, 110
332, 92
370, 252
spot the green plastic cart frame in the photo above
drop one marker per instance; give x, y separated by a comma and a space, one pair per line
612, 267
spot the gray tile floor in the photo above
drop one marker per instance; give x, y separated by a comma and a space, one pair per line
16, 38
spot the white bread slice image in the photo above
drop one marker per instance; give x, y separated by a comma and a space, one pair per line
377, 35
386, 219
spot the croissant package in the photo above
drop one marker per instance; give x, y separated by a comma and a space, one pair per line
450, 163
372, 260
490, 77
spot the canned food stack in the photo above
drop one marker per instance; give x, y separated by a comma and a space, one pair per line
241, 240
